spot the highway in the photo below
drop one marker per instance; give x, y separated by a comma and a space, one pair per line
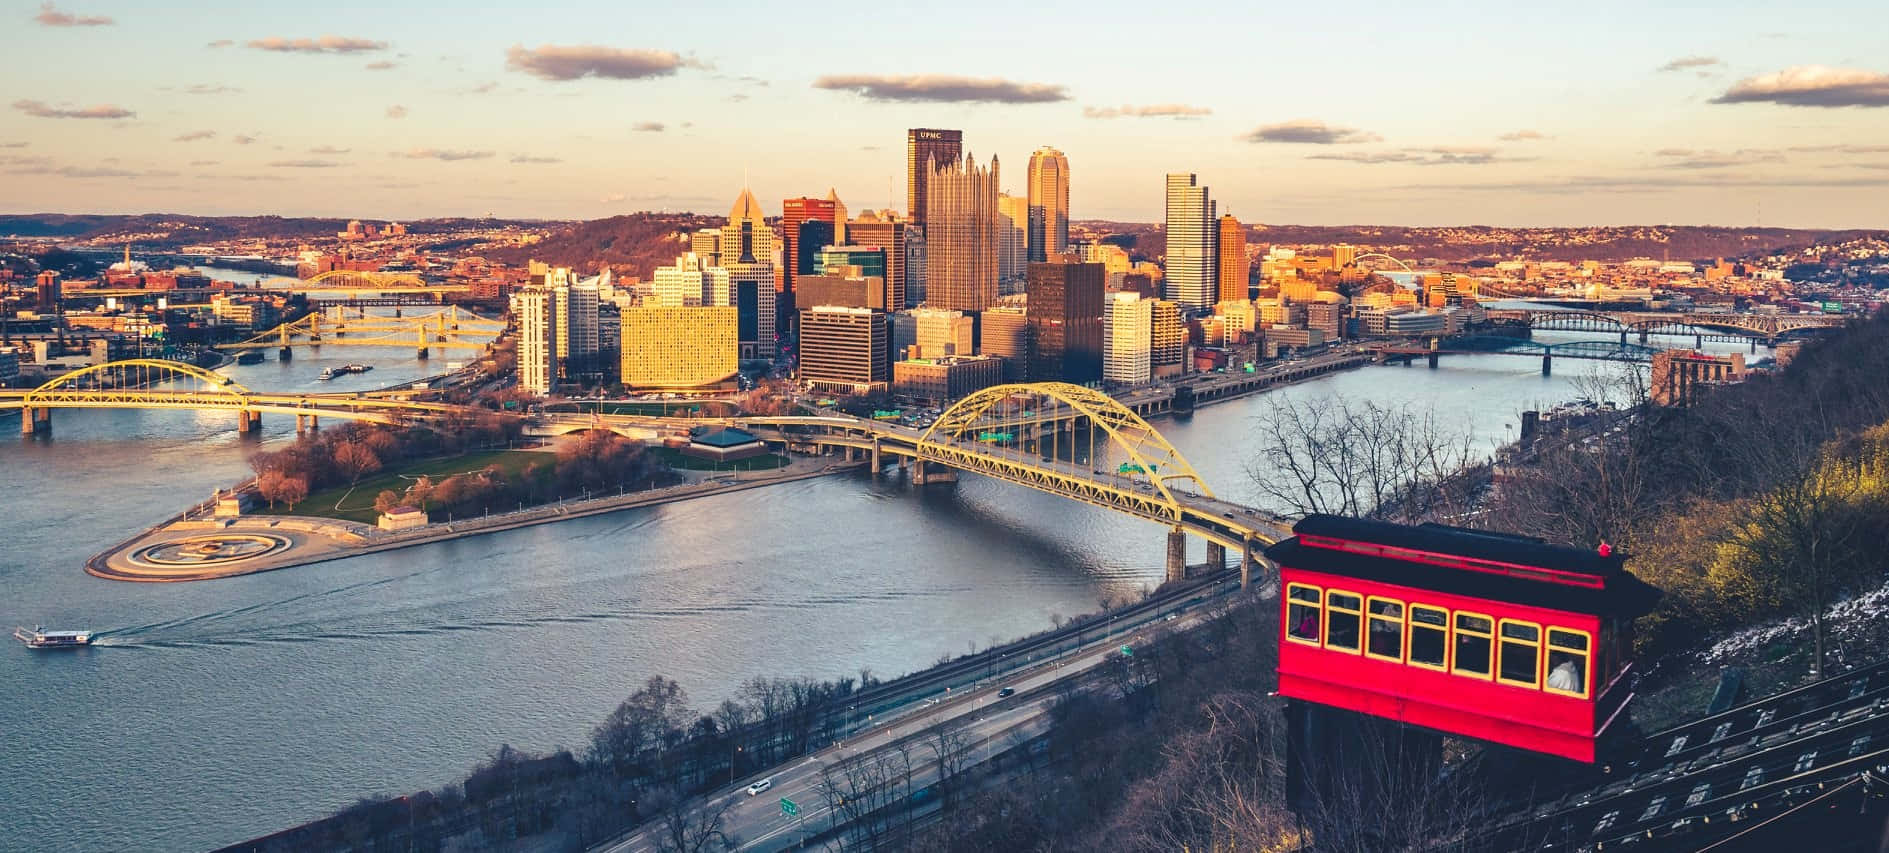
987, 724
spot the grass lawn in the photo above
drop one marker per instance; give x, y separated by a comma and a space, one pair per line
677, 460
359, 505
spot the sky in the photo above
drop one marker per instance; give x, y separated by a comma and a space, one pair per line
1604, 112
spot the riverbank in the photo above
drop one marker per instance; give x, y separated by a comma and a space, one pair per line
187, 549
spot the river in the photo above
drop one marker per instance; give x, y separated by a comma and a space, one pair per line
221, 710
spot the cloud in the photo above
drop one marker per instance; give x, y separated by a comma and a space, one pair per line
210, 89
205, 162
528, 159
328, 149
612, 198
577, 61
1435, 155
14, 144
1687, 158
441, 154
1523, 136
1149, 111
1812, 86
647, 127
1610, 183
942, 88
1843, 149
396, 111
195, 135
88, 172
382, 65
1307, 131
304, 164
51, 17
1685, 62
41, 109
221, 43
485, 88
243, 139
325, 44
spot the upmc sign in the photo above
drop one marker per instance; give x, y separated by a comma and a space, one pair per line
930, 134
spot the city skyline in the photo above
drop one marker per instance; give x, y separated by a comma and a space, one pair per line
1766, 117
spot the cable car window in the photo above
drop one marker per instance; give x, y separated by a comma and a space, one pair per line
1429, 636
1302, 613
1342, 614
1568, 662
1520, 653
1473, 641
1385, 637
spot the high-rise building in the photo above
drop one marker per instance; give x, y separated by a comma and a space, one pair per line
794, 258
926, 148
1233, 266
746, 239
747, 252
678, 347
1049, 204
691, 282
1327, 317
845, 349
851, 260
577, 340
1127, 346
1167, 338
839, 214
1343, 255
1005, 333
706, 244
891, 238
1191, 272
942, 334
962, 236
1013, 253
1064, 308
845, 290
535, 308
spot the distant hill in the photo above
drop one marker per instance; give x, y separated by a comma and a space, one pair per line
1469, 242
172, 230
636, 243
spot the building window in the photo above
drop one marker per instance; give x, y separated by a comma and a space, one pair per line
1342, 615
1520, 653
1567, 662
1385, 639
1473, 641
1302, 613
1429, 636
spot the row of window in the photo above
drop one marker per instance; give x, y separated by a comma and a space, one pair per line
1474, 645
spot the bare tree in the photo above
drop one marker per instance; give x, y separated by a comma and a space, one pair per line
1332, 455
356, 460
952, 750
690, 826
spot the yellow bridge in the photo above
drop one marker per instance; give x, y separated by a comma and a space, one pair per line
443, 329
353, 280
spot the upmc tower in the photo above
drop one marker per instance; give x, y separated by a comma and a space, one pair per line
924, 146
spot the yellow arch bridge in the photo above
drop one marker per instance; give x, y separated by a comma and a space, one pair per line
446, 329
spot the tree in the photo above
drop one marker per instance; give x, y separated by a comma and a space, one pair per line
386, 501
419, 492
269, 485
1361, 459
355, 460
690, 826
651, 719
292, 490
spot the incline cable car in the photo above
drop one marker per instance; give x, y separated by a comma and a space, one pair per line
1499, 638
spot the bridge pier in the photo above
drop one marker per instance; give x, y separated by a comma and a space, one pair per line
307, 423
1642, 336
248, 422
875, 458
1547, 365
1247, 563
922, 477
1216, 556
1433, 359
34, 421
1754, 345
1177, 555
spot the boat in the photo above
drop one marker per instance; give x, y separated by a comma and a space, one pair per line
249, 357
327, 373
39, 638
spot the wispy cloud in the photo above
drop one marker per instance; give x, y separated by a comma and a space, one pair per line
577, 61
486, 88
210, 89
205, 162
194, 136
382, 65
324, 44
1435, 155
1687, 158
1148, 111
612, 198
221, 43
1812, 86
328, 149
1523, 136
1688, 62
942, 88
14, 144
89, 172
1307, 131
1843, 149
396, 111
303, 164
647, 127
40, 109
441, 154
528, 159
51, 17
1626, 184
244, 139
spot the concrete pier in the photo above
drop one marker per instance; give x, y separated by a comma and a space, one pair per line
248, 422
34, 421
1177, 555
1248, 562
1216, 556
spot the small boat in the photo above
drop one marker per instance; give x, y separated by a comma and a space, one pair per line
249, 357
39, 638
327, 373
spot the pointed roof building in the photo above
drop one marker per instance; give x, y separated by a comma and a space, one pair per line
839, 217
746, 208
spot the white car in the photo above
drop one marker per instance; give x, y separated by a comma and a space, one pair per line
760, 786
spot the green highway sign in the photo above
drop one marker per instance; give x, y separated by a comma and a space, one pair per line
789, 807
1128, 652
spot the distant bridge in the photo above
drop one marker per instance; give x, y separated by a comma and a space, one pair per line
1505, 345
1769, 328
442, 330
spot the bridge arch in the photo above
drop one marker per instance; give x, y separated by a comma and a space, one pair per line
1398, 261
952, 437
131, 376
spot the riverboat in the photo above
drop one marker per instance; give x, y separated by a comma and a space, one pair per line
250, 357
328, 373
42, 639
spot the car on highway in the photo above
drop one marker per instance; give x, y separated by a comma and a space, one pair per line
760, 786
1006, 692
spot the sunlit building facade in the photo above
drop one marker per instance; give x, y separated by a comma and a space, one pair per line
1192, 274
1049, 204
925, 149
678, 347
1127, 343
962, 236
1232, 260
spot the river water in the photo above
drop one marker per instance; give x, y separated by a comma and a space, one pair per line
222, 710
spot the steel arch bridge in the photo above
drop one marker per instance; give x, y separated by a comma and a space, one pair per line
362, 280
1736, 328
1595, 350
441, 329
1395, 260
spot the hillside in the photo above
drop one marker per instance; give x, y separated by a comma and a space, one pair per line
636, 243
174, 230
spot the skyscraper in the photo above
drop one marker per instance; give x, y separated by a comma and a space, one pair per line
1233, 266
926, 148
1191, 271
1013, 252
578, 341
747, 252
845, 349
962, 236
891, 237
1167, 339
1127, 344
534, 308
678, 347
794, 212
691, 282
1049, 204
1064, 309
839, 214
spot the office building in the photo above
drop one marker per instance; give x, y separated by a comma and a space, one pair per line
1167, 339
747, 252
1127, 343
1679, 375
940, 380
534, 308
1283, 339
1013, 243
1343, 255
1191, 274
1005, 333
845, 350
706, 244
795, 259
962, 236
915, 266
690, 282
941, 334
47, 291
852, 261
843, 290
925, 149
1327, 317
889, 237
678, 348
839, 214
1049, 204
578, 343
1233, 266
1064, 308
